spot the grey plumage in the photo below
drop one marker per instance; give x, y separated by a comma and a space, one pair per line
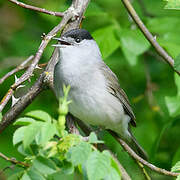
96, 95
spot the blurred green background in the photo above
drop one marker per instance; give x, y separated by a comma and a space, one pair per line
147, 80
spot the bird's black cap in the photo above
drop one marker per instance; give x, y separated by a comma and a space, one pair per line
78, 33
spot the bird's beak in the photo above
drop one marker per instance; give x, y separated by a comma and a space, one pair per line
61, 42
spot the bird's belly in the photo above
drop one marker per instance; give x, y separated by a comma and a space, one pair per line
97, 107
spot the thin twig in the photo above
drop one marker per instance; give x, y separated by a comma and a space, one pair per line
9, 117
138, 158
13, 160
168, 59
18, 68
42, 10
146, 175
29, 72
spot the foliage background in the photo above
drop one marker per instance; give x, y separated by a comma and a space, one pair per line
127, 53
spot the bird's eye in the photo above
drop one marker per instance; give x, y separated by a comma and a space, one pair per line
78, 40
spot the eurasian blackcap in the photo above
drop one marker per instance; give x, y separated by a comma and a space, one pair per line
96, 95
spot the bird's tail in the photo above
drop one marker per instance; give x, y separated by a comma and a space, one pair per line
137, 148
134, 145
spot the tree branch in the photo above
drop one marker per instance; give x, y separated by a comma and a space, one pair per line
168, 59
13, 160
76, 11
42, 10
138, 158
29, 72
18, 68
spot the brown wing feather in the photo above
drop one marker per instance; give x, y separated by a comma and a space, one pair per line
115, 89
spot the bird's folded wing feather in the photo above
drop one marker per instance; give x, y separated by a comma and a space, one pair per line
115, 89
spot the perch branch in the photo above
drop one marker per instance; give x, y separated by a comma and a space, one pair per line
168, 59
13, 160
138, 158
42, 10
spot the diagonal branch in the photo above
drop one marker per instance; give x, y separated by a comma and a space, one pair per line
42, 10
29, 72
168, 59
18, 68
13, 160
76, 10
138, 158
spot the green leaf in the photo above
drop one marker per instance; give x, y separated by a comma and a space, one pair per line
178, 178
98, 166
44, 166
61, 176
133, 44
18, 135
31, 131
177, 63
0, 116
176, 156
176, 167
173, 105
106, 40
162, 25
172, 4
93, 139
24, 121
38, 114
78, 154
114, 165
177, 82
16, 176
32, 174
46, 132
113, 175
67, 168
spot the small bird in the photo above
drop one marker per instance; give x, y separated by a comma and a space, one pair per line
96, 95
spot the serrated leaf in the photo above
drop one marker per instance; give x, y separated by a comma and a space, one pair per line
176, 167
106, 40
24, 121
18, 135
133, 44
44, 165
46, 132
177, 63
97, 166
93, 138
78, 154
31, 131
38, 114
172, 4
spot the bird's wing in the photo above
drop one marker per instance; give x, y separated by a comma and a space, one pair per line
114, 88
